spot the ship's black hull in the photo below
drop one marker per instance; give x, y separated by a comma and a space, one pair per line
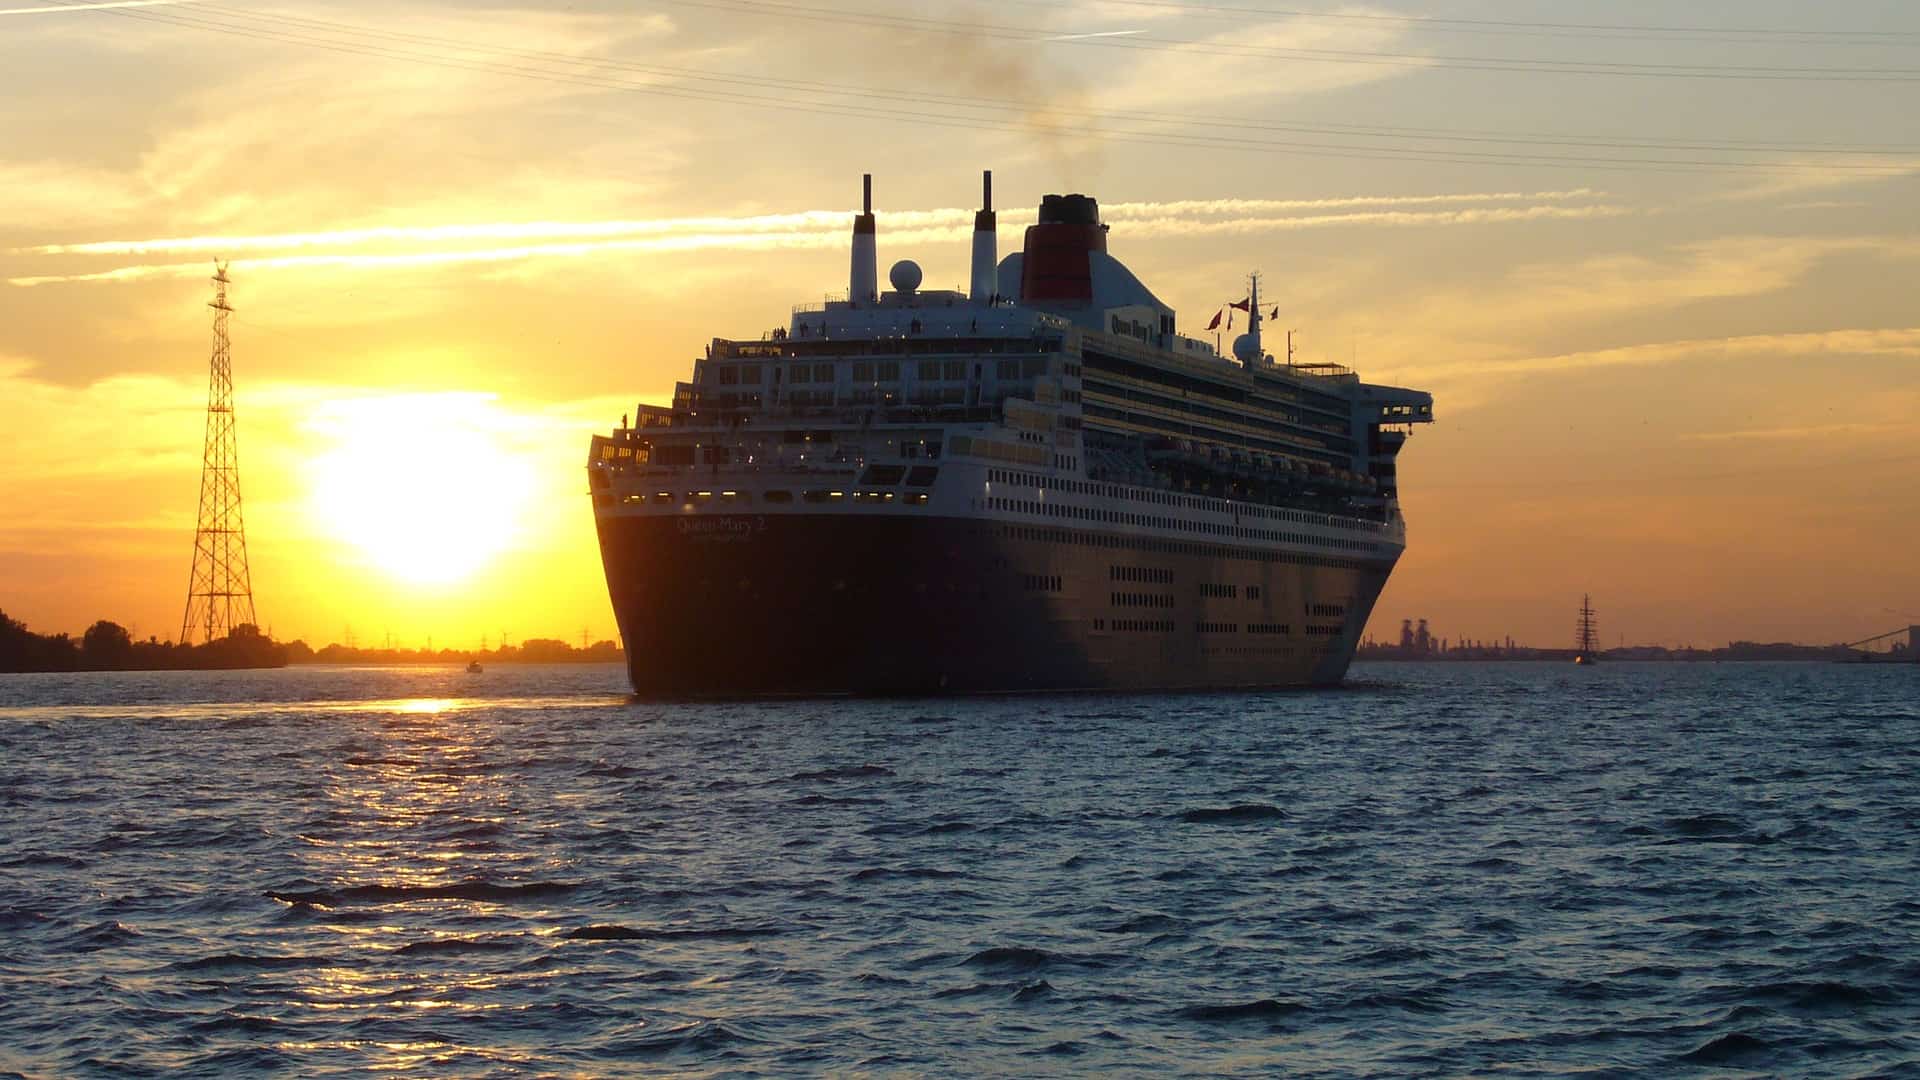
745, 605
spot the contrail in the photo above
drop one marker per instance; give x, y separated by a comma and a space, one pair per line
1101, 34
799, 221
1129, 210
937, 227
53, 8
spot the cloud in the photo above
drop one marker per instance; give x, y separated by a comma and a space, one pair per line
1901, 342
1826, 174
1807, 431
294, 132
1213, 71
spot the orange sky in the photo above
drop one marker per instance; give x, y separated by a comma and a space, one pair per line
1667, 313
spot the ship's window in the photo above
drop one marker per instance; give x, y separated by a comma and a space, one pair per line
922, 475
729, 375
918, 498
954, 370
927, 370
800, 373
700, 496
889, 370
1033, 366
882, 475
778, 496
661, 498
823, 373
736, 496
750, 374
821, 496
1007, 369
863, 371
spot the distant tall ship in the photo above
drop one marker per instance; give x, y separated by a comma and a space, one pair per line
1036, 484
1586, 648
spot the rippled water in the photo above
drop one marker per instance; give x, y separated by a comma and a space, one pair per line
1446, 869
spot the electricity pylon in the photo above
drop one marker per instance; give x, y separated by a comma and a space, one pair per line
220, 590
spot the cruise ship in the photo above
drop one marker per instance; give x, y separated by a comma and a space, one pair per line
1040, 483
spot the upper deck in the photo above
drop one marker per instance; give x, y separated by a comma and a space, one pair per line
1059, 361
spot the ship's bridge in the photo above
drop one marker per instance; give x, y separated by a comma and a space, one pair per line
915, 315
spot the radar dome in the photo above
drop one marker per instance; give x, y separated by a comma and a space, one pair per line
905, 275
1245, 349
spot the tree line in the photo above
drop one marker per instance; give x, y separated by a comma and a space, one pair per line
108, 646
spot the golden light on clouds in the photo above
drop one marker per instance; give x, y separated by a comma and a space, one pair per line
427, 489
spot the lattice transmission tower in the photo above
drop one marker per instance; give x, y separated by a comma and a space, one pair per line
220, 590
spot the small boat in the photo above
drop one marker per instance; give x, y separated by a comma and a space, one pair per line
473, 667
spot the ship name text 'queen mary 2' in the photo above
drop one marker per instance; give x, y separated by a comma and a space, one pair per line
1039, 484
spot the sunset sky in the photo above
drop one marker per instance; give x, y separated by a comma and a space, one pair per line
1659, 265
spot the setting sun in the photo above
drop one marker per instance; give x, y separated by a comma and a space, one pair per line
424, 488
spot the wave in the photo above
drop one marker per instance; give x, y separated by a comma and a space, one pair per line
970, 990
616, 932
1033, 991
1728, 1049
19, 918
829, 800
1264, 1009
849, 772
920, 873
246, 962
45, 860
944, 827
232, 1022
102, 935
1419, 1001
1144, 924
471, 889
438, 946
1823, 996
1017, 959
1245, 813
1704, 825
697, 1037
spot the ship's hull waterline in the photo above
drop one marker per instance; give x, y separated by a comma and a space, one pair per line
796, 604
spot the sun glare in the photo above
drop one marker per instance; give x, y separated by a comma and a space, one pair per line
425, 488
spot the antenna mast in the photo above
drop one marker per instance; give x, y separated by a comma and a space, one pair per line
1587, 629
219, 590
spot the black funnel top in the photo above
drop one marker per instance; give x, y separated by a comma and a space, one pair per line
1069, 210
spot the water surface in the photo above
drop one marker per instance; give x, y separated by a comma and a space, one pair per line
1446, 869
